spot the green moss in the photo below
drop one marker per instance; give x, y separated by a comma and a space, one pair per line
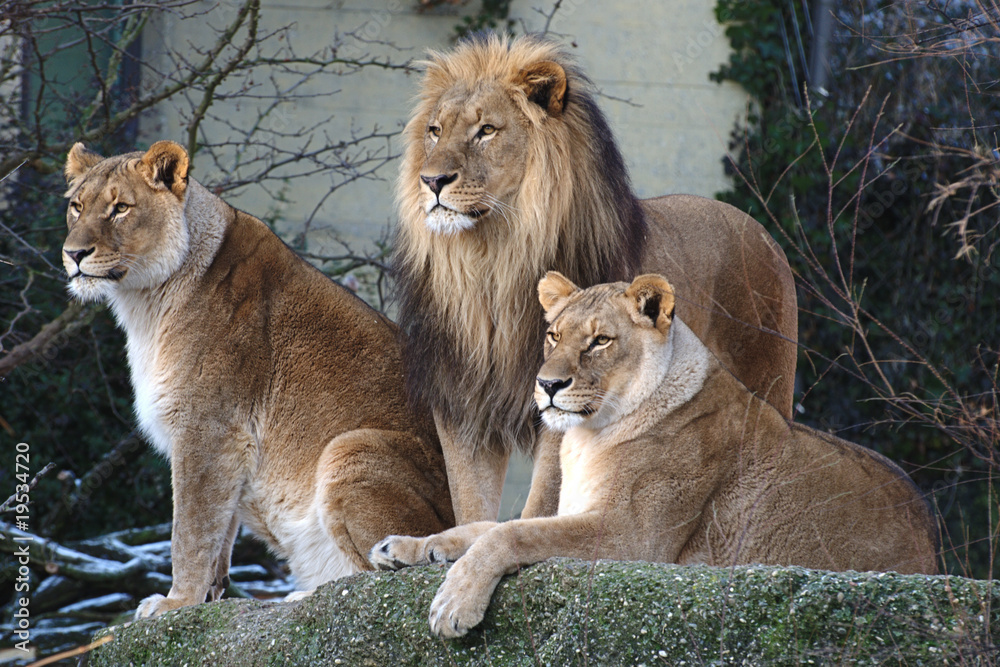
566, 612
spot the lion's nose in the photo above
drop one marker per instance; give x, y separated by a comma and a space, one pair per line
437, 183
78, 255
552, 387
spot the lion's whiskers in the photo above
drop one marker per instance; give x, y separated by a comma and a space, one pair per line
506, 211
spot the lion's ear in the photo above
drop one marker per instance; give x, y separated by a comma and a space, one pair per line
545, 84
654, 300
79, 161
553, 292
166, 165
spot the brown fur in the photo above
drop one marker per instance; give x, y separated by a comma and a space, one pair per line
666, 457
532, 180
277, 395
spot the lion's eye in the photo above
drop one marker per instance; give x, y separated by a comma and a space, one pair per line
121, 207
486, 130
600, 341
553, 337
76, 206
434, 130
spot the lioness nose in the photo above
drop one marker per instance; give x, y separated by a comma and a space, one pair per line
437, 183
78, 255
551, 387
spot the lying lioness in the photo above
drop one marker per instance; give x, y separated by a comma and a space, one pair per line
276, 394
666, 457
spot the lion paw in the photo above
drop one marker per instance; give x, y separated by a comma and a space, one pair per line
157, 604
460, 603
399, 551
295, 596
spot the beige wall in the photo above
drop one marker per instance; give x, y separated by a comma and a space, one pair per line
673, 131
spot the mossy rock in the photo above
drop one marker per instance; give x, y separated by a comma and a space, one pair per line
567, 612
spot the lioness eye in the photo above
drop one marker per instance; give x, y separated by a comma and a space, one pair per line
600, 341
553, 337
487, 129
434, 130
121, 207
76, 206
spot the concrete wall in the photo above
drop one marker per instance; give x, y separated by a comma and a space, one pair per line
673, 129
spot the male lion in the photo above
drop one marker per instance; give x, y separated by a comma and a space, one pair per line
666, 457
277, 395
510, 169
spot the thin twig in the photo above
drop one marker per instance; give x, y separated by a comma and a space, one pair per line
10, 502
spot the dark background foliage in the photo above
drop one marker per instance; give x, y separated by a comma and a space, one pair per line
877, 171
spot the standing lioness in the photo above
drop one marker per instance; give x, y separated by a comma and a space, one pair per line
666, 457
276, 395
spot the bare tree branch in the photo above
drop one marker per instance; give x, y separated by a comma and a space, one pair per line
49, 338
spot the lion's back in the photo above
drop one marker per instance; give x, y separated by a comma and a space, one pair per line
734, 288
296, 342
866, 499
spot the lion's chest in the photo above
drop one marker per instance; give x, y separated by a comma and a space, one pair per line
150, 392
581, 459
146, 366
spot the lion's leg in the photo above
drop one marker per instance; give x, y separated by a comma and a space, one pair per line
204, 508
546, 476
374, 483
223, 561
475, 475
398, 551
461, 601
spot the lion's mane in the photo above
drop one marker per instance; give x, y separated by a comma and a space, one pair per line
466, 301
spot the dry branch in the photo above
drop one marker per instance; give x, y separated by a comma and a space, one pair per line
55, 558
49, 338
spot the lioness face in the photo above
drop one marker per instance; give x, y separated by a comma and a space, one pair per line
125, 219
603, 348
476, 146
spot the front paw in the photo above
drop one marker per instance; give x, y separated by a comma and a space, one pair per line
399, 551
461, 602
295, 596
155, 605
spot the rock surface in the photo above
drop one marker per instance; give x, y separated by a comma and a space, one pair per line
566, 612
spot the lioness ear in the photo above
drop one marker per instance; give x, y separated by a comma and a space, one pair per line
79, 161
166, 165
545, 84
553, 292
654, 300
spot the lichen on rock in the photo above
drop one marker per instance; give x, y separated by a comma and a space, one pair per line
569, 612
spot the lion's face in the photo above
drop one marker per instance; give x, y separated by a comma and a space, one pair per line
476, 147
125, 219
477, 140
604, 349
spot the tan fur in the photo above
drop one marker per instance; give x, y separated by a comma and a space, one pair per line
276, 394
530, 180
667, 458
